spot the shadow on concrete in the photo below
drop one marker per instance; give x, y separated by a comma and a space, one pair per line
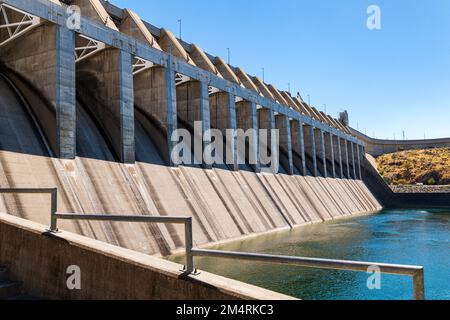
21, 131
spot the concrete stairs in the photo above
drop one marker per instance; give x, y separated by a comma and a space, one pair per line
10, 290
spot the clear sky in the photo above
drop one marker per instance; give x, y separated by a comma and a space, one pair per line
390, 80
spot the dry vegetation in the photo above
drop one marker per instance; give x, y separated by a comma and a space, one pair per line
430, 167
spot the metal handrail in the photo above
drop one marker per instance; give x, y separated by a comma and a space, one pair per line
53, 192
416, 272
186, 221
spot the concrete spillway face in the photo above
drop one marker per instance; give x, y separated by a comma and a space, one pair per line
20, 129
24, 154
91, 143
17, 130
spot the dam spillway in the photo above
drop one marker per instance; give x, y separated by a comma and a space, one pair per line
99, 132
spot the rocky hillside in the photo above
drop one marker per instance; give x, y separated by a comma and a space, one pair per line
430, 167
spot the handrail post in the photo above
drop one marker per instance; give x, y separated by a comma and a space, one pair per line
419, 285
189, 245
54, 209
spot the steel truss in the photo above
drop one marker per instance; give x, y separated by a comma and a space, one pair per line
181, 78
16, 22
141, 65
87, 47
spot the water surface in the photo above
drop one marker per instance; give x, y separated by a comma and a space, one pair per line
416, 237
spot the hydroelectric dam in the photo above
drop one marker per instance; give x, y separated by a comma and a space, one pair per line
91, 110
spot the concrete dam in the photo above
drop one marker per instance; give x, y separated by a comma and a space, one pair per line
91, 110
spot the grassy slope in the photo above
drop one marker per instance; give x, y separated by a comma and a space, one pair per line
431, 166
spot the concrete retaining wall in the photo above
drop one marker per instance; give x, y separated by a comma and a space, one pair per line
40, 261
390, 199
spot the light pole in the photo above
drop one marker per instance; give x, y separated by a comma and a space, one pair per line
179, 22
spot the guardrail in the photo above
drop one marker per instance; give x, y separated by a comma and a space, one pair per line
186, 221
53, 192
416, 272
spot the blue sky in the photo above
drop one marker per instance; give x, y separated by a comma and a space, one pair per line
390, 80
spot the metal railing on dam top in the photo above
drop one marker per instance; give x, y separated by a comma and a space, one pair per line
417, 272
53, 192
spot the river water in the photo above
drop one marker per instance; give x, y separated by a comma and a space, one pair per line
416, 237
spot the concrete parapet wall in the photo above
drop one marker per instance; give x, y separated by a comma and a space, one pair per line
420, 189
107, 272
378, 147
